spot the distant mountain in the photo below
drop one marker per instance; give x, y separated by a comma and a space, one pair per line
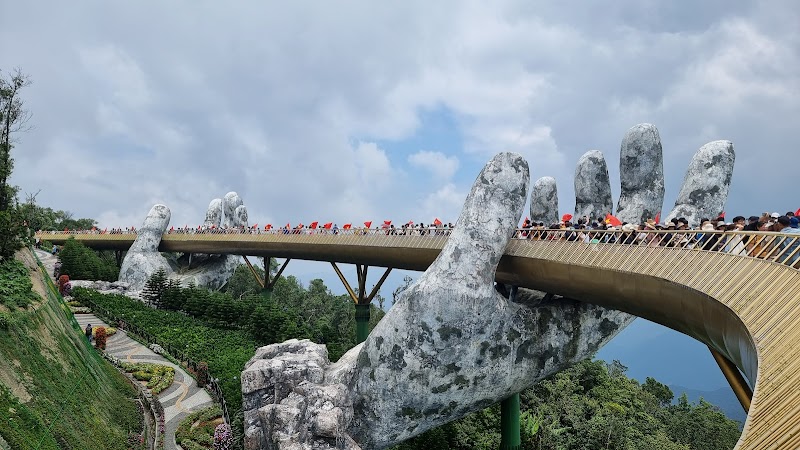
723, 398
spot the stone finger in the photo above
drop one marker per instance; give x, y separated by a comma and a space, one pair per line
213, 214
592, 186
707, 183
230, 202
240, 216
544, 201
488, 220
148, 237
641, 167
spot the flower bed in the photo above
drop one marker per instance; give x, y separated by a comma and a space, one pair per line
196, 432
158, 377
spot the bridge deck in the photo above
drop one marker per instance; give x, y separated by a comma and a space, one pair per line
744, 307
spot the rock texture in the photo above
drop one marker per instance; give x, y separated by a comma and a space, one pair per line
143, 259
104, 287
641, 167
451, 345
544, 201
289, 405
705, 187
592, 186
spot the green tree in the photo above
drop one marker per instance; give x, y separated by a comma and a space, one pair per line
155, 287
660, 391
13, 119
82, 263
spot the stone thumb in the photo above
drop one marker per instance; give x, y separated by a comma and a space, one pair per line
487, 222
149, 235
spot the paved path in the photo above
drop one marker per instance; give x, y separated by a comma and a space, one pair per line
179, 400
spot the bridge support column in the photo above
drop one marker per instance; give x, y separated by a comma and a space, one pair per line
361, 300
362, 322
118, 257
740, 387
509, 424
509, 410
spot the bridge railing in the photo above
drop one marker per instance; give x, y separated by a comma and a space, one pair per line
778, 247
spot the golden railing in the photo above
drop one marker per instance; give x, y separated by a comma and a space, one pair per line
737, 292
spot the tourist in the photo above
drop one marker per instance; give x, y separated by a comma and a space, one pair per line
789, 247
88, 332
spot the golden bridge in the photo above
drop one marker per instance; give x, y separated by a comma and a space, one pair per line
737, 293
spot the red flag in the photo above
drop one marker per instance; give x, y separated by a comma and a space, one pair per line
268, 226
368, 224
300, 225
386, 223
170, 228
255, 226
797, 213
566, 217
437, 222
288, 226
613, 221
328, 225
410, 222
658, 217
314, 225
722, 215
347, 226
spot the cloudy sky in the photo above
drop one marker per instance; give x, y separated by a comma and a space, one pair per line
352, 111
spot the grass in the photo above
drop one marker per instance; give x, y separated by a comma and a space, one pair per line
55, 390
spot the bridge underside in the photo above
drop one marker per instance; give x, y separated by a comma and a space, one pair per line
744, 308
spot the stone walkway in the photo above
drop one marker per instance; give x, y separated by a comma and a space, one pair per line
179, 400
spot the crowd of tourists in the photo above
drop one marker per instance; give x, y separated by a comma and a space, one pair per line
715, 234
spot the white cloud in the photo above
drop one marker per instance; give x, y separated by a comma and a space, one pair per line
441, 166
445, 203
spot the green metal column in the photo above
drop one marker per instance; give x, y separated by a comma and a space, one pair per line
509, 423
362, 322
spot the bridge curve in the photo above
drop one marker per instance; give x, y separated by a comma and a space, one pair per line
745, 308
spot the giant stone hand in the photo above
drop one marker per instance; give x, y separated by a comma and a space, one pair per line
143, 259
451, 345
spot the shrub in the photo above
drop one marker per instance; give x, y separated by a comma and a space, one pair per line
100, 337
142, 375
15, 285
63, 280
202, 374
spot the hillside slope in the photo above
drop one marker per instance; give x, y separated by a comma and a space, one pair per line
55, 390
